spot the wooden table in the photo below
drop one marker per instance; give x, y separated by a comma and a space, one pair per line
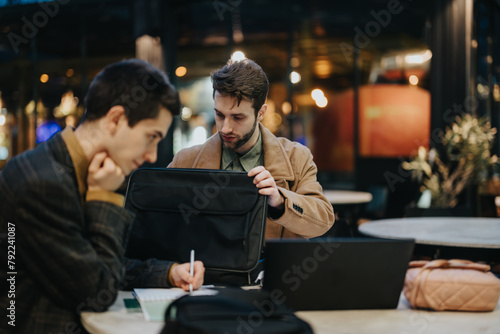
398, 321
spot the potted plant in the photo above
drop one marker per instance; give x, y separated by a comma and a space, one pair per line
463, 162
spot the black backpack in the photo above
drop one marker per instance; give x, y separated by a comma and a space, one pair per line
232, 310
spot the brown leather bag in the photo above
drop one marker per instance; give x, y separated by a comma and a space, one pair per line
458, 285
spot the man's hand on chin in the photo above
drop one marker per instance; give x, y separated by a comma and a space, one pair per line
104, 173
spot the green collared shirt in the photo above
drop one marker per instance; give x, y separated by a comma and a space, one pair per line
253, 158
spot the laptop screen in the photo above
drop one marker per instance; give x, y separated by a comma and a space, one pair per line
337, 273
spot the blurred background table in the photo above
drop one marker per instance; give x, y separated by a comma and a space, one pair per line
347, 197
471, 238
347, 205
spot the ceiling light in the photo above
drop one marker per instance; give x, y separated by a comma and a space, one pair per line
238, 55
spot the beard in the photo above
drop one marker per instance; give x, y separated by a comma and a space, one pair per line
242, 141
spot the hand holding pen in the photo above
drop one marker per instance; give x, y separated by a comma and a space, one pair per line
183, 277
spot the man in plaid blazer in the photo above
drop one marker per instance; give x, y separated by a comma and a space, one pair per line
62, 226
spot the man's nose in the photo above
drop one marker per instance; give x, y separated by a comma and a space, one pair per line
151, 155
226, 126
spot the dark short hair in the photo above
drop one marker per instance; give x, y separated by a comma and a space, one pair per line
242, 79
134, 84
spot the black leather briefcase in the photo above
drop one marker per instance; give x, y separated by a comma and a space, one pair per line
219, 214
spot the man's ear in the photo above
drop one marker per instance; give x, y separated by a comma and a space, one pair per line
262, 112
114, 117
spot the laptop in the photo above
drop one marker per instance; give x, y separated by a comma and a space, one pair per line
337, 273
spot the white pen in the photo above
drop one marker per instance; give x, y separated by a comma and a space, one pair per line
191, 269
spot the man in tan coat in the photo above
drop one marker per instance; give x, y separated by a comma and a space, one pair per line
283, 170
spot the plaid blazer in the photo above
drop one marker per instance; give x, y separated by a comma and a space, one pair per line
67, 257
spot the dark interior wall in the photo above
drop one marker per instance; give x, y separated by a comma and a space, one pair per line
451, 64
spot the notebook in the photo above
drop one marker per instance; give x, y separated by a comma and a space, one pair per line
337, 273
154, 302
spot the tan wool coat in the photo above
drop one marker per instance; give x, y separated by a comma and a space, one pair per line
307, 212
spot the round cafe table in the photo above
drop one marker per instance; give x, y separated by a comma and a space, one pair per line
347, 196
346, 204
460, 236
441, 231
